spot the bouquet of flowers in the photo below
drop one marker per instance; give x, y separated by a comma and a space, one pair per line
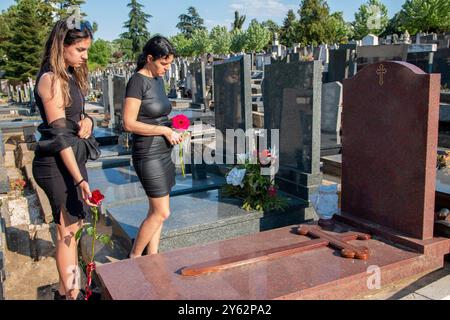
258, 192
97, 199
181, 124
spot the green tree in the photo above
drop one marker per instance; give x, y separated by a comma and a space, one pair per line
238, 41
273, 27
238, 21
288, 36
201, 43
394, 25
371, 18
5, 34
220, 40
182, 45
190, 22
26, 41
258, 37
425, 16
123, 49
338, 31
312, 27
137, 27
100, 54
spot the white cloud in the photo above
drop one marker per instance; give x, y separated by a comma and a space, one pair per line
262, 8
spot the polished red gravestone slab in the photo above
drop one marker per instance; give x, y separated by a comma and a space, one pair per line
390, 128
390, 122
318, 274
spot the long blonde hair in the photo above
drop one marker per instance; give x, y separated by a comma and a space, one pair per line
53, 59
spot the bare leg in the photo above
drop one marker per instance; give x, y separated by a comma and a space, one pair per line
153, 246
67, 257
151, 225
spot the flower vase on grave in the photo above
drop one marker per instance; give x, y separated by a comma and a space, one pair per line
326, 204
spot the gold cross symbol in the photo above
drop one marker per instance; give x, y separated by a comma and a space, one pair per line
381, 71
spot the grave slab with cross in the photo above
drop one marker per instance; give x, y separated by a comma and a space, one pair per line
321, 239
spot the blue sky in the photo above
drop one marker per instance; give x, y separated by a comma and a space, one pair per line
110, 14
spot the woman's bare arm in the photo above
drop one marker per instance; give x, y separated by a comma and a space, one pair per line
131, 124
54, 109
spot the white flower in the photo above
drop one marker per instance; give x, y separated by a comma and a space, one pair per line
241, 158
236, 177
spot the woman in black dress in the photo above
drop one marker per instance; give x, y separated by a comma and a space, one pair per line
60, 157
145, 114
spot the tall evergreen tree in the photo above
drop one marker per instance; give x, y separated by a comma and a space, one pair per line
137, 27
26, 41
238, 21
190, 22
288, 36
312, 27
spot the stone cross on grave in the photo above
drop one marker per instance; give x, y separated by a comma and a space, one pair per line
321, 239
381, 71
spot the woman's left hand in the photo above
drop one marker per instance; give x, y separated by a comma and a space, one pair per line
85, 128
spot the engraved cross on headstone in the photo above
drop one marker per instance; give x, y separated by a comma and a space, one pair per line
381, 71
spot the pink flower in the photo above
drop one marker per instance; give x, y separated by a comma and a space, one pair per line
265, 157
181, 122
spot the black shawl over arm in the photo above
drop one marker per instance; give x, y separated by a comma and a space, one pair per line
62, 134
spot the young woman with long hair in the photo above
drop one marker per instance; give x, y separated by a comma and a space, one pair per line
61, 154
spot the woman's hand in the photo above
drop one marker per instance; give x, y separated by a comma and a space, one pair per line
173, 137
86, 193
85, 128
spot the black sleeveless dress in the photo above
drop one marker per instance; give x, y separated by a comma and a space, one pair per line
50, 172
152, 156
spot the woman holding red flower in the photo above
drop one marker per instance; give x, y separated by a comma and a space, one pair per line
145, 115
59, 165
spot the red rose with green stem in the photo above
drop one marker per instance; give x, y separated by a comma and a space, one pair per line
96, 198
181, 123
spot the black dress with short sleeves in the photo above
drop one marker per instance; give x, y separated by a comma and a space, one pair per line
50, 172
152, 156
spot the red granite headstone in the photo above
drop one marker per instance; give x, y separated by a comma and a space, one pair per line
390, 128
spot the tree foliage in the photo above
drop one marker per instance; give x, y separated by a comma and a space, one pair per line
136, 27
190, 22
220, 40
239, 21
371, 18
257, 37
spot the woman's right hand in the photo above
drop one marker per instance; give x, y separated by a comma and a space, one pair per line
173, 137
86, 193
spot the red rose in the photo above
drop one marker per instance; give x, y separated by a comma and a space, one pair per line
97, 197
272, 192
181, 122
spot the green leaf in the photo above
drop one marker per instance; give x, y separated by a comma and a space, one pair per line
90, 231
78, 234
